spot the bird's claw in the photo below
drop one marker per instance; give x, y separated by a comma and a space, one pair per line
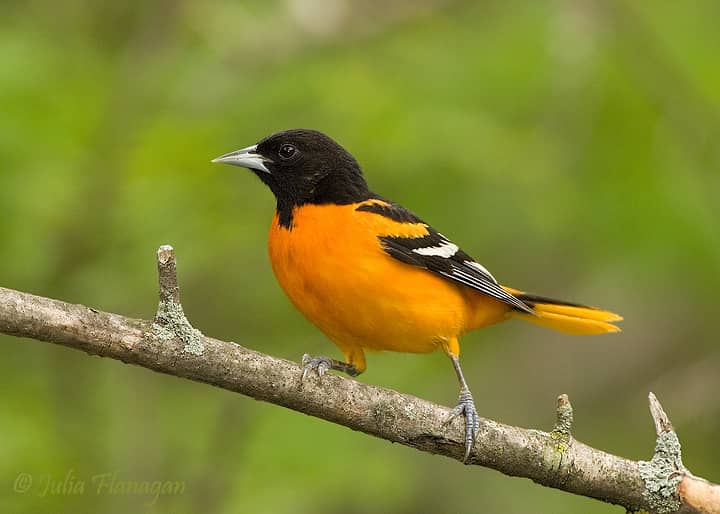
319, 365
466, 407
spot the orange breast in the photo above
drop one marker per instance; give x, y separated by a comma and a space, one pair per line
333, 269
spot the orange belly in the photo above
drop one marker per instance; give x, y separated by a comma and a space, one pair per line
333, 269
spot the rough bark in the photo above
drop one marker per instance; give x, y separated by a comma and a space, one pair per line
170, 345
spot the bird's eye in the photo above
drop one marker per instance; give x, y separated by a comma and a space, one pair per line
287, 151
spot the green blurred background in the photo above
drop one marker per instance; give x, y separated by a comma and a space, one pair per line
571, 146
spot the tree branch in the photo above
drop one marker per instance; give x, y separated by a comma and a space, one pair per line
170, 345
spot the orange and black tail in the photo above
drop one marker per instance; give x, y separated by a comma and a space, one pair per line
567, 317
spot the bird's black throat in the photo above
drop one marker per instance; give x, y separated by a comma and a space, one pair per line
335, 188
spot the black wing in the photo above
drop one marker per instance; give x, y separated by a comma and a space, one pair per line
438, 254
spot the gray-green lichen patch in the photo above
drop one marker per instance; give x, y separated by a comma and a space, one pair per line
564, 419
555, 453
560, 436
410, 412
385, 413
662, 474
560, 441
170, 322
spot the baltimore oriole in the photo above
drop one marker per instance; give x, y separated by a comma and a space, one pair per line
373, 276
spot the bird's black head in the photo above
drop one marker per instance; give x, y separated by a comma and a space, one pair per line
303, 166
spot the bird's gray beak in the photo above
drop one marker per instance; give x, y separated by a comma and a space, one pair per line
247, 158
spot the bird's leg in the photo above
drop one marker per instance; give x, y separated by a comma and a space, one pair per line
321, 364
465, 406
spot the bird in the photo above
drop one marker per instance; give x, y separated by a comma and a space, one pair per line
373, 276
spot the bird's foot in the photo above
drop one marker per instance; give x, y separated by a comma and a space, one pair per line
466, 407
319, 365
322, 364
